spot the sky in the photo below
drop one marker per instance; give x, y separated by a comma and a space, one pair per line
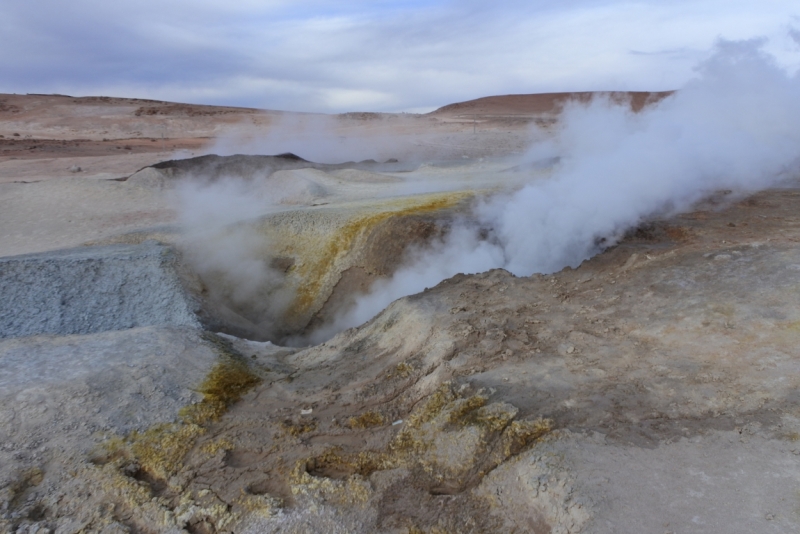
371, 55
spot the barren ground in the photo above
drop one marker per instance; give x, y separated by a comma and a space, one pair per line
652, 389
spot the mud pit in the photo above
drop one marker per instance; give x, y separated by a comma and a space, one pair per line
652, 389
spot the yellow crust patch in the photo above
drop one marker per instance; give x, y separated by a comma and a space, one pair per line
311, 272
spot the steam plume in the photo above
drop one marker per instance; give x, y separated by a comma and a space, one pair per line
322, 138
230, 257
735, 126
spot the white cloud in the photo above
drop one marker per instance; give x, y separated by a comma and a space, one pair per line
355, 99
319, 55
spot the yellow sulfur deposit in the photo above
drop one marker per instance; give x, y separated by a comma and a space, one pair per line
330, 243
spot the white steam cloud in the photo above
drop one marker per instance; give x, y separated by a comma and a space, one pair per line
231, 257
736, 126
323, 138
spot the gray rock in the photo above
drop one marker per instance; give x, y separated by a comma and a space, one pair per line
92, 289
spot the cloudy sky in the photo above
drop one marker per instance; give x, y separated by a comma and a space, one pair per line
376, 55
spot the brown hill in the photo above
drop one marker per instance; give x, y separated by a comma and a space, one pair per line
543, 103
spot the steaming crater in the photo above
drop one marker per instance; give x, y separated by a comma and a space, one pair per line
318, 260
280, 248
285, 249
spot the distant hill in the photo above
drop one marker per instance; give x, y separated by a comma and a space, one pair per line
543, 103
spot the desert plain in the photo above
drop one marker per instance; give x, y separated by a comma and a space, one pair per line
150, 382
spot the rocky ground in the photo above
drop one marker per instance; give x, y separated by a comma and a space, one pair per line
652, 389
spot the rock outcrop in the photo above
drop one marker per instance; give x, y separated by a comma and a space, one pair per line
92, 289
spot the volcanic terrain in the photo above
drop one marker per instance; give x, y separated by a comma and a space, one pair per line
172, 277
